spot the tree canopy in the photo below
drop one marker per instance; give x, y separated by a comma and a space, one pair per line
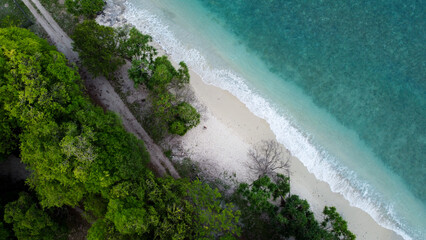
165, 208
270, 212
87, 8
97, 47
30, 221
72, 146
81, 155
135, 45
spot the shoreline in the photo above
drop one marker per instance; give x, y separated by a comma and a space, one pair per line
230, 131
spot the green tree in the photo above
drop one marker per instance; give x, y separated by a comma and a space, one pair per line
213, 218
158, 75
169, 113
36, 82
37, 89
299, 221
97, 47
23, 58
104, 230
150, 207
52, 174
185, 118
188, 115
135, 45
138, 73
161, 77
263, 217
85, 156
162, 105
87, 8
161, 115
182, 77
177, 127
166, 208
334, 223
259, 214
30, 221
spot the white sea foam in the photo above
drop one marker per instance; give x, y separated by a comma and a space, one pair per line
341, 179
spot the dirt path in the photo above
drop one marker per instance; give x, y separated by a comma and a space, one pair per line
102, 89
56, 34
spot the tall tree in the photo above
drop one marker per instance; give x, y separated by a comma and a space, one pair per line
135, 45
30, 221
97, 47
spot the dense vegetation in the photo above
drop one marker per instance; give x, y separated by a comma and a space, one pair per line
104, 49
81, 157
263, 218
97, 48
30, 221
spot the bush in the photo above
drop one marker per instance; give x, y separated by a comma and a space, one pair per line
137, 74
177, 127
188, 115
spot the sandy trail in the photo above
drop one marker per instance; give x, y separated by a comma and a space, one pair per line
102, 89
56, 34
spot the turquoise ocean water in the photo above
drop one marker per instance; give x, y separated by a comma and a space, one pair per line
341, 83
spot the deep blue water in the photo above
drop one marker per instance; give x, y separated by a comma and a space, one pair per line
362, 61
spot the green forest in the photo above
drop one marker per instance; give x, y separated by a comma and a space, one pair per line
84, 165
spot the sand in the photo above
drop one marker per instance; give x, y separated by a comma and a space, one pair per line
231, 129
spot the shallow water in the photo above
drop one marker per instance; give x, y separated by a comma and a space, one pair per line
341, 84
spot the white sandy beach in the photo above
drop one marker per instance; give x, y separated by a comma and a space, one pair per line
232, 129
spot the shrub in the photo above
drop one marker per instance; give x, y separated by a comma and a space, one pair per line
188, 115
177, 127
